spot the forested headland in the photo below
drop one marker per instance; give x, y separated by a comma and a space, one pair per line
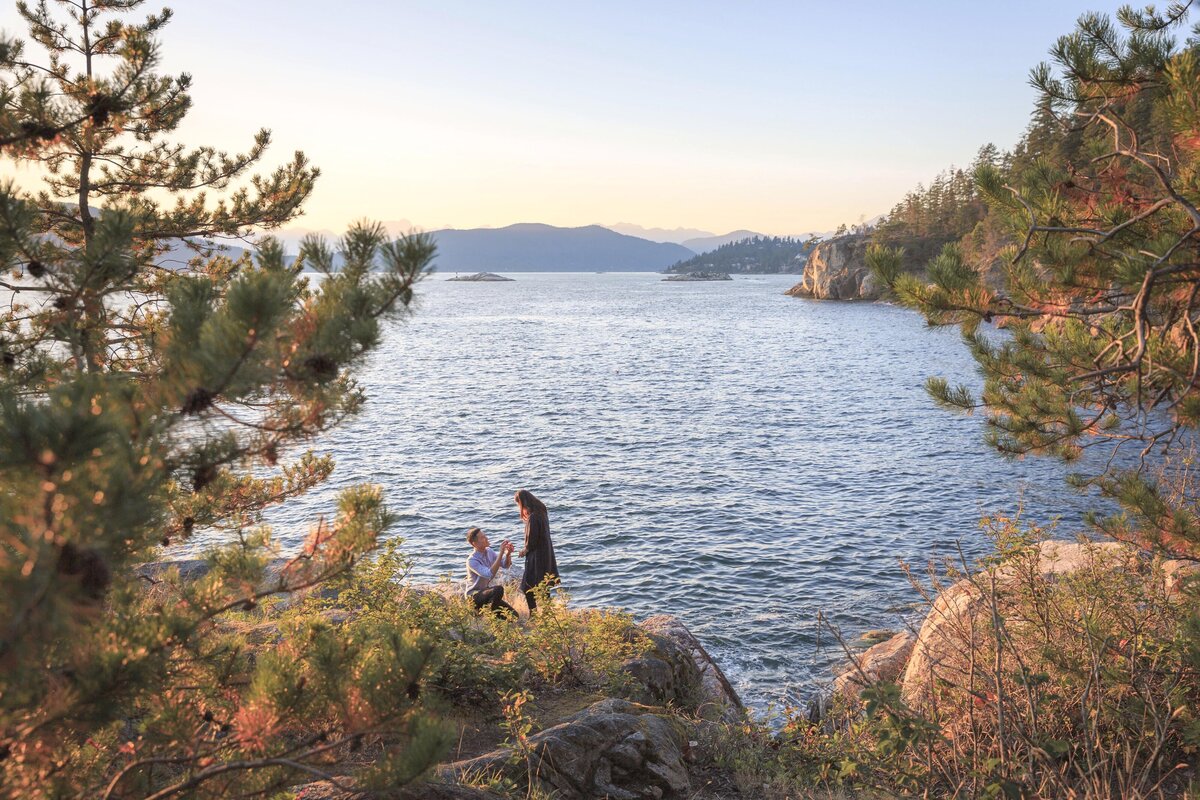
755, 255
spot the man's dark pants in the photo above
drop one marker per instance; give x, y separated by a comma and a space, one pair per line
493, 597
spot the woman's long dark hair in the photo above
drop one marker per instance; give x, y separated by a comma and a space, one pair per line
530, 503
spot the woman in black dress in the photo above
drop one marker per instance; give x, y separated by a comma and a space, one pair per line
540, 566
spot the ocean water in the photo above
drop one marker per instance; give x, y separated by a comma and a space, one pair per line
747, 461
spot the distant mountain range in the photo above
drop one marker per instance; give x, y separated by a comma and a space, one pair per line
707, 244
179, 254
524, 247
676, 235
291, 237
698, 241
533, 247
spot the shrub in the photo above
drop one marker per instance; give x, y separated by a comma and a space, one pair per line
481, 657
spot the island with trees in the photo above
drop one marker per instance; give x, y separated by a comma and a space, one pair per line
755, 255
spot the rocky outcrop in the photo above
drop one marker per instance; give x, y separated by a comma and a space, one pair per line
278, 575
480, 277
880, 663
700, 276
190, 569
939, 655
958, 616
612, 749
837, 270
680, 671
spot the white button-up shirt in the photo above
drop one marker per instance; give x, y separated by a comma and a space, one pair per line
479, 570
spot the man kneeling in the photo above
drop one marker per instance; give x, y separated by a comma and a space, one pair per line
482, 567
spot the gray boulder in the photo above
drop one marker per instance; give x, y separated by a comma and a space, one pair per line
1177, 572
613, 749
279, 572
880, 663
680, 671
346, 789
956, 619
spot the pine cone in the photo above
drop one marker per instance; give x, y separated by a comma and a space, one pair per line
203, 476
197, 400
100, 107
322, 366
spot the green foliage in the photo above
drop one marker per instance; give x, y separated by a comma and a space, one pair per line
950, 213
518, 726
789, 756
886, 264
579, 647
481, 657
140, 405
1099, 296
1078, 683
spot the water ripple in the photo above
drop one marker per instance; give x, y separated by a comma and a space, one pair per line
738, 458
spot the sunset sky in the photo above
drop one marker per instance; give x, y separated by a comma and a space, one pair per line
779, 117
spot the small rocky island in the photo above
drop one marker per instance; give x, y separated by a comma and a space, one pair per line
479, 276
699, 276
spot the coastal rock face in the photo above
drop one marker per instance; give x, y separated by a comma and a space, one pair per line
837, 270
612, 749
700, 276
679, 670
478, 277
278, 575
958, 615
880, 663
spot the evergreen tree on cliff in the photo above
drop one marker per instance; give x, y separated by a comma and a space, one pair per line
1101, 293
140, 406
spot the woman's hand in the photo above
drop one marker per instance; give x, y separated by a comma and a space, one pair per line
522, 553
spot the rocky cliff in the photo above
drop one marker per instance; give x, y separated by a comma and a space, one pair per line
837, 270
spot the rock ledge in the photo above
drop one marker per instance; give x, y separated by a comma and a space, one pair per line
699, 276
480, 277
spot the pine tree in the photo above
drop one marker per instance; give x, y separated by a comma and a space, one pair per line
140, 405
1101, 295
